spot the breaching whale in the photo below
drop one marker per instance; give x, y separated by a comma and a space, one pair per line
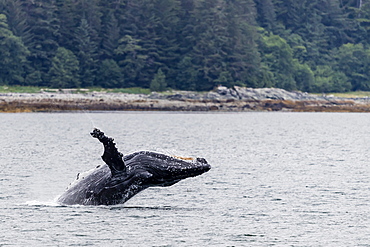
122, 177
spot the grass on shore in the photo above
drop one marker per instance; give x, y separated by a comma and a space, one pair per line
19, 89
29, 89
353, 94
133, 90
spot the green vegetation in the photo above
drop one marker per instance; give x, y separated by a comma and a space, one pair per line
356, 94
31, 89
318, 46
132, 90
19, 89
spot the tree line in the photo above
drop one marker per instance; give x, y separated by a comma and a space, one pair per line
307, 45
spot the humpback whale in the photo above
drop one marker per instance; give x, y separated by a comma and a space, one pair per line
122, 177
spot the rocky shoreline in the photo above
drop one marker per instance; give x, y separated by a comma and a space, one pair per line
235, 99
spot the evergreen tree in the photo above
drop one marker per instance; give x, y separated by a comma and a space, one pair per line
129, 55
291, 13
158, 83
337, 25
17, 19
242, 58
33, 77
166, 35
86, 53
110, 75
362, 18
64, 70
210, 42
316, 42
68, 16
187, 75
44, 31
187, 24
12, 55
139, 34
90, 11
111, 36
266, 14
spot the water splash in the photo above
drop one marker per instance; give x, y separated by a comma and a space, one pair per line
36, 203
87, 114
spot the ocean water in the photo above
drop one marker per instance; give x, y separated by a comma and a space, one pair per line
277, 179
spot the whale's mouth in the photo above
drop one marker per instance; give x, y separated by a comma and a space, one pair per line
184, 158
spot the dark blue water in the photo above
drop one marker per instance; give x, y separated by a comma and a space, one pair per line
277, 179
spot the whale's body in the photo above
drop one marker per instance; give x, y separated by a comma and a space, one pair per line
122, 177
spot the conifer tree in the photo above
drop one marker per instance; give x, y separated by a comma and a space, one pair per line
242, 59
86, 53
110, 75
187, 75
158, 83
64, 70
90, 11
130, 59
44, 31
111, 36
210, 42
69, 20
266, 14
166, 30
17, 19
12, 55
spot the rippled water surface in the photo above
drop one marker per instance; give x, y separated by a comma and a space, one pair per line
277, 179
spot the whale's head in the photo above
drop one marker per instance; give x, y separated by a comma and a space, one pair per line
163, 170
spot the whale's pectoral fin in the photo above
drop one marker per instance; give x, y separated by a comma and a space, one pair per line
112, 157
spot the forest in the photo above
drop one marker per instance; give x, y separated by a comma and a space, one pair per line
308, 45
